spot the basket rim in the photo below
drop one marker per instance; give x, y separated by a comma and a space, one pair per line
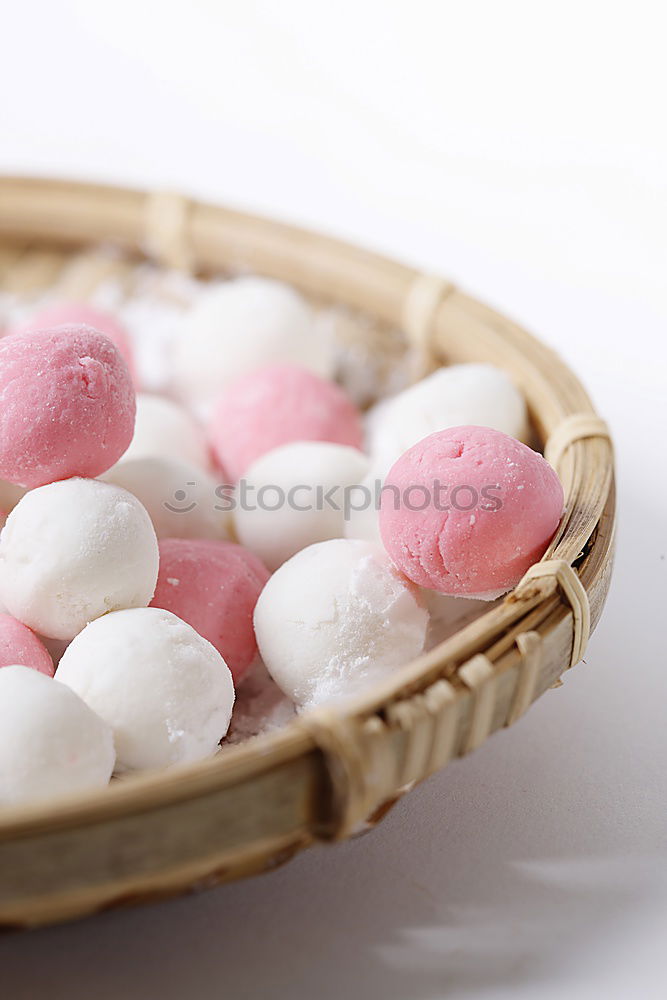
27, 211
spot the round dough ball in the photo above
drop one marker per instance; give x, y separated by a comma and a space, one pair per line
164, 429
51, 743
84, 314
67, 405
164, 690
290, 496
277, 405
239, 326
336, 617
468, 510
476, 394
363, 520
214, 587
74, 550
182, 501
19, 644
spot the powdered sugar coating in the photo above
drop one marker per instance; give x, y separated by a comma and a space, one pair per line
74, 550
493, 515
67, 408
164, 690
334, 618
51, 743
274, 406
213, 586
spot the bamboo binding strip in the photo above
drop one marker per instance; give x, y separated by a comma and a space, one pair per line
576, 427
530, 647
575, 593
166, 236
478, 675
422, 301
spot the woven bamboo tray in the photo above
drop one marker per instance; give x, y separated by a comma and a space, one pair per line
330, 773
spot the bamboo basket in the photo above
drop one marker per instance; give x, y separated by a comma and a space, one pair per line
330, 773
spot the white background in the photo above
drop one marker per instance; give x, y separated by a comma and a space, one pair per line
519, 148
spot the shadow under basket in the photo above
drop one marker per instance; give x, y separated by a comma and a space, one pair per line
333, 771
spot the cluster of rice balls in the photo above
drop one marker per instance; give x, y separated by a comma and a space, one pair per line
136, 553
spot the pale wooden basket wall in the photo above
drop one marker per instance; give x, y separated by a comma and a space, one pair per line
329, 773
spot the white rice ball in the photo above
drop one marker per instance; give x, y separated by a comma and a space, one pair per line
477, 394
51, 743
363, 521
294, 496
165, 429
335, 617
165, 691
181, 500
73, 550
241, 325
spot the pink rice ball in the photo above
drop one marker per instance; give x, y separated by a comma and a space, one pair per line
19, 646
84, 314
68, 405
468, 510
213, 586
276, 405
